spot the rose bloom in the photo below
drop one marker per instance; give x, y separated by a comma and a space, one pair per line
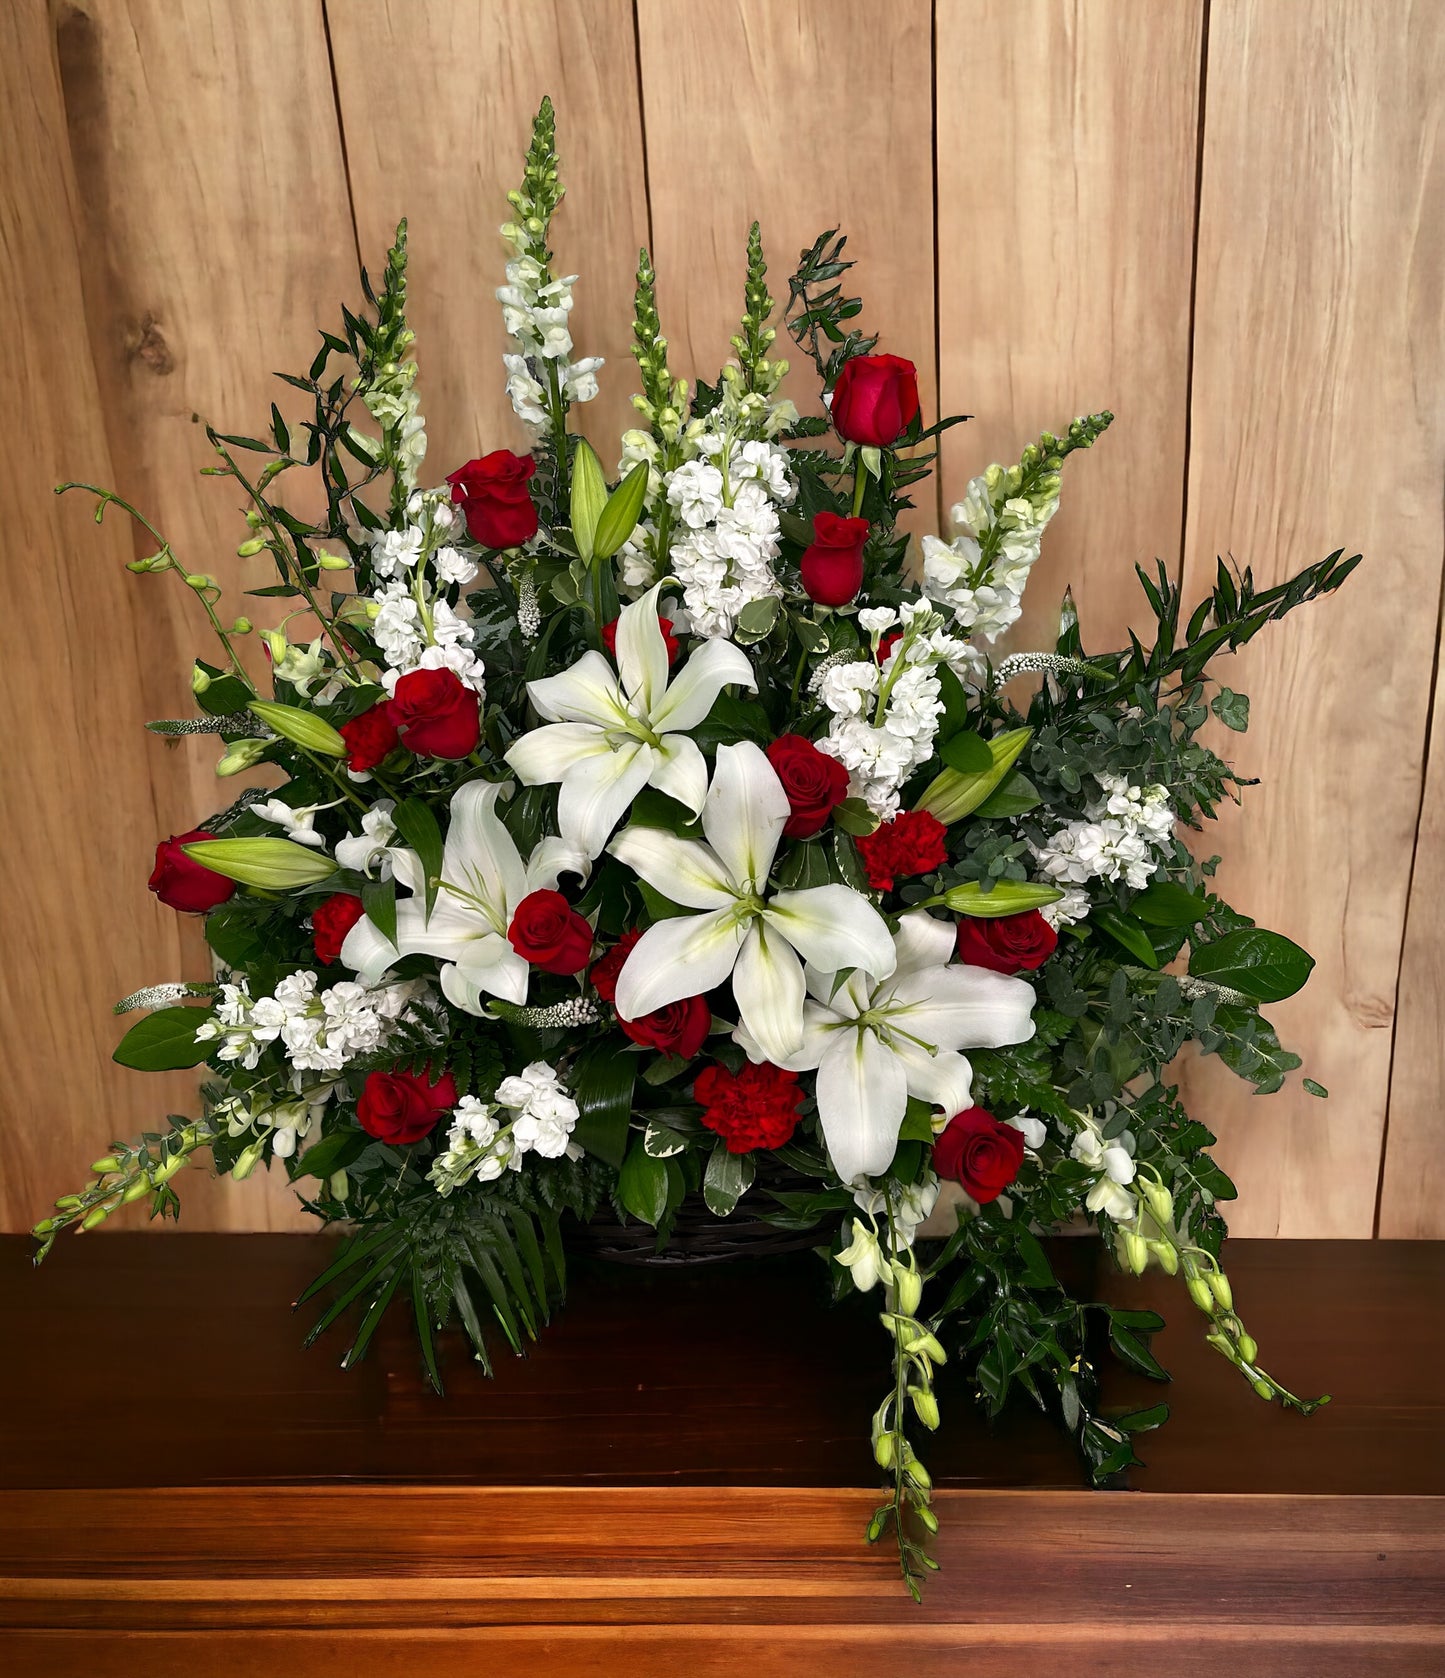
875, 399
680, 1028
183, 883
757, 1108
606, 968
549, 933
370, 737
609, 638
912, 843
436, 714
493, 494
402, 1107
832, 566
978, 1151
1007, 943
330, 923
814, 782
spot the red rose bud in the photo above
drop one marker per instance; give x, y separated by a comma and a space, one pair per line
757, 1108
493, 494
608, 968
814, 782
402, 1107
549, 933
680, 1028
609, 638
181, 882
832, 567
370, 738
1007, 943
330, 923
875, 399
914, 842
979, 1152
436, 714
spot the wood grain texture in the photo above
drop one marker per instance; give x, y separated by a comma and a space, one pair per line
446, 151
1319, 420
787, 147
1067, 153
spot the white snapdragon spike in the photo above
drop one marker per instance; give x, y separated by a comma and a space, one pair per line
742, 930
536, 312
299, 823
483, 879
609, 734
1114, 1163
876, 1042
368, 849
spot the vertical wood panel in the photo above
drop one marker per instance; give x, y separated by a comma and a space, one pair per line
1067, 157
437, 100
1319, 420
802, 115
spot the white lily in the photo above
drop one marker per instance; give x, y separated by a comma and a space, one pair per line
483, 879
609, 734
742, 931
865, 1258
874, 1045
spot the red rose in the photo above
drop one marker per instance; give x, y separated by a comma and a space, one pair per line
607, 968
832, 566
875, 399
402, 1107
548, 932
370, 738
979, 1152
330, 923
609, 638
1007, 943
493, 493
436, 714
912, 843
887, 642
814, 782
757, 1108
181, 882
679, 1029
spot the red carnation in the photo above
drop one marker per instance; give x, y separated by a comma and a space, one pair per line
674, 646
607, 968
981, 1153
549, 933
912, 843
1007, 943
493, 494
814, 782
832, 565
370, 738
680, 1028
330, 923
875, 399
436, 714
757, 1108
183, 883
402, 1107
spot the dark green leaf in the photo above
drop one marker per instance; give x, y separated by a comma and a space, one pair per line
968, 753
1128, 932
164, 1041
378, 899
728, 1178
1015, 795
642, 1185
417, 824
1167, 903
602, 1087
332, 1153
1264, 966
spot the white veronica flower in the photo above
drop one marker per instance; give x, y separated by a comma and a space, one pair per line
483, 879
876, 1043
609, 734
300, 823
740, 929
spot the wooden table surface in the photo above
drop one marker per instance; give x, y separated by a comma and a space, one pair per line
677, 1477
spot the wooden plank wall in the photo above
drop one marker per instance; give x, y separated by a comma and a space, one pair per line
1224, 219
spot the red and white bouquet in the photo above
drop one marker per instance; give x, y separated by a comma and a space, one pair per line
656, 842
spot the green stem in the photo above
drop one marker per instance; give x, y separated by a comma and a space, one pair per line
860, 479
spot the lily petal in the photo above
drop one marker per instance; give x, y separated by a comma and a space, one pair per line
820, 1026
768, 989
595, 794
491, 967
832, 927
693, 690
480, 855
684, 870
368, 952
642, 652
546, 754
684, 956
945, 1079
862, 1095
680, 770
744, 813
961, 1007
553, 858
587, 692
923, 941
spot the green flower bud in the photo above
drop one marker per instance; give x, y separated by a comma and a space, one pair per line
302, 728
339, 1184
1263, 1388
1220, 1288
241, 755
1135, 1251
101, 1166
1199, 1292
253, 545
135, 1190
68, 1202
333, 562
925, 1406
276, 643
910, 1289
918, 1474
883, 1450
875, 1529
169, 1169
1158, 1199
1221, 1344
242, 626
44, 1227
95, 1217
926, 1517
1248, 1347
248, 1160
1168, 1257
200, 679
269, 864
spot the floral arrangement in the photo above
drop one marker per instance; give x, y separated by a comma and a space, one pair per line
655, 846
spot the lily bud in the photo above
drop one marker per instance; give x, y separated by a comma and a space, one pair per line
302, 728
246, 1163
1158, 1199
1263, 1388
1200, 1293
1220, 1288
253, 546
1135, 1250
1248, 1347
910, 1289
333, 562
883, 1450
269, 864
200, 679
135, 1190
926, 1517
95, 1217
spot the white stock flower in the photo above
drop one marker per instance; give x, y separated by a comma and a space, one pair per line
875, 1044
740, 930
609, 734
545, 1112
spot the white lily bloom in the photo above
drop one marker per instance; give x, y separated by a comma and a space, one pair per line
609, 734
741, 931
483, 879
875, 1044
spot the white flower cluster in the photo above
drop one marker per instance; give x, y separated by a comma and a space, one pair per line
392, 401
1121, 837
1113, 1161
985, 593
482, 1143
286, 1121
425, 540
421, 634
535, 312
318, 1032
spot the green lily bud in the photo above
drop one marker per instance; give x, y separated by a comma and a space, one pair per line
910, 1289
269, 864
248, 548
918, 1474
200, 679
135, 1190
926, 1517
1168, 1257
1248, 1347
248, 1160
1221, 1344
1263, 1388
1220, 1288
883, 1450
101, 1166
302, 728
1199, 1292
339, 1184
95, 1218
240, 756
925, 1406
1158, 1199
